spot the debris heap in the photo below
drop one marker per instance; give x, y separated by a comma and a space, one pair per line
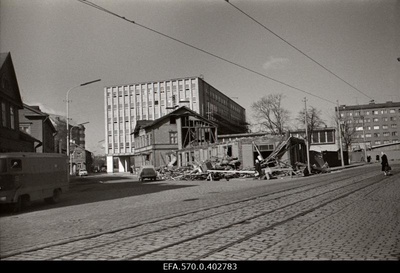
212, 169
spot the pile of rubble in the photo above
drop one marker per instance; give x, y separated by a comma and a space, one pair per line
279, 163
213, 169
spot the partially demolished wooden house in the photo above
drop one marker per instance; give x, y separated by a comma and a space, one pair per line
184, 138
156, 142
279, 150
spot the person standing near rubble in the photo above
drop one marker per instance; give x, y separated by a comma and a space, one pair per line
257, 166
385, 164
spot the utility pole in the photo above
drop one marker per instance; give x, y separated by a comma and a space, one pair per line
365, 142
340, 134
307, 144
67, 101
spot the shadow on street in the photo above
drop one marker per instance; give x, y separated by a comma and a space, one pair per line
95, 188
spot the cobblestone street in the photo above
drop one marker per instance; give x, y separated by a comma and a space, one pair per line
352, 214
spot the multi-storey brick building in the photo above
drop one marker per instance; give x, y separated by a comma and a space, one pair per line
373, 124
126, 104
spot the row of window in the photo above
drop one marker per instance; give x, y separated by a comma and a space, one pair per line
223, 102
130, 102
146, 140
370, 112
121, 145
149, 87
379, 142
142, 142
367, 120
172, 100
376, 127
375, 135
320, 137
144, 104
142, 113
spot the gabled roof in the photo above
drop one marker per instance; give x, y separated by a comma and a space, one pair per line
36, 112
27, 137
141, 124
178, 112
8, 76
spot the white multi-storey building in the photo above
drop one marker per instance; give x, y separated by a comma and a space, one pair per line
128, 103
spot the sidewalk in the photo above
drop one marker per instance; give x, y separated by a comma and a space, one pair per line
349, 166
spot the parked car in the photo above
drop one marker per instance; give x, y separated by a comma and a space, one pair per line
147, 171
82, 173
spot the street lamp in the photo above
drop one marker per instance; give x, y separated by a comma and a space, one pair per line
307, 138
70, 137
67, 100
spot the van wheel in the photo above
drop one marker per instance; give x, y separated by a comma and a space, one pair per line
55, 198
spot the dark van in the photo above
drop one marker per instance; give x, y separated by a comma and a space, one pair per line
26, 177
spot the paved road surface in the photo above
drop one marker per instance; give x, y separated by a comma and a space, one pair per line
351, 214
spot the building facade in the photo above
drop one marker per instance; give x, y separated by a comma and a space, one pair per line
322, 139
156, 142
371, 124
81, 159
77, 133
11, 138
38, 124
127, 104
183, 138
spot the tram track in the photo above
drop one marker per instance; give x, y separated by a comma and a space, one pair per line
258, 231
113, 238
286, 192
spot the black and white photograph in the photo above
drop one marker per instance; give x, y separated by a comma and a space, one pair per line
200, 135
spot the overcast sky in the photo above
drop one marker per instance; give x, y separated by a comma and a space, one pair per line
58, 44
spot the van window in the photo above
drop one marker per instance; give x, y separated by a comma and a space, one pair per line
3, 165
16, 164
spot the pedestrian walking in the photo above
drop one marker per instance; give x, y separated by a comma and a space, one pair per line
385, 164
257, 166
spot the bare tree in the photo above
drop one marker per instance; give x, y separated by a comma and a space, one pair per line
348, 128
268, 111
348, 132
314, 120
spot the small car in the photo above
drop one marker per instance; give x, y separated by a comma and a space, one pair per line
147, 171
82, 173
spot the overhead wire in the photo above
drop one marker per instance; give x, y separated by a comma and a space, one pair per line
297, 49
201, 50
